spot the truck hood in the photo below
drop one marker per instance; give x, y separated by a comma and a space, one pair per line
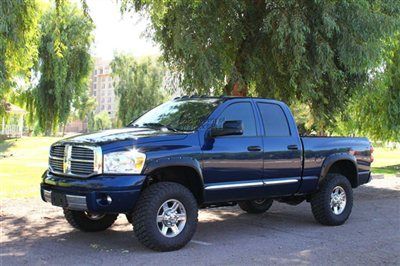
135, 135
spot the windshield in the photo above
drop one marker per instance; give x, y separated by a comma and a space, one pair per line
184, 115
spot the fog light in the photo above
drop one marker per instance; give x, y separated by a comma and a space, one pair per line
104, 199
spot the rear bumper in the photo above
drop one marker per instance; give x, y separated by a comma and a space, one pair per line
103, 193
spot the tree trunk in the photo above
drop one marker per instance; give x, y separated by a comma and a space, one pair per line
253, 19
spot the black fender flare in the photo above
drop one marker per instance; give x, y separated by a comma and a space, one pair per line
159, 163
333, 158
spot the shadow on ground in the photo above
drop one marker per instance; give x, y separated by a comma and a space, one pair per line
5, 146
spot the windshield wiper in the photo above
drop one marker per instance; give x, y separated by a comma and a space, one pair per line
159, 125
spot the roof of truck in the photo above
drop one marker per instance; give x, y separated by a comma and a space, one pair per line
223, 97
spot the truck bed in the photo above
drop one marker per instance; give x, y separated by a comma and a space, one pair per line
318, 149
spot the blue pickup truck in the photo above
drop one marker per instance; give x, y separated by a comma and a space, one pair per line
201, 152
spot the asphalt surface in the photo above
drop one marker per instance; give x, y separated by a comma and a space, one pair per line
35, 233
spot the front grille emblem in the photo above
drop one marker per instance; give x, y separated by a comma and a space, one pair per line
67, 159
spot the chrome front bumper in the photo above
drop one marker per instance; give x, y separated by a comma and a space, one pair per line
72, 202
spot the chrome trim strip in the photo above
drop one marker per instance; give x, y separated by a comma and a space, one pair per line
239, 184
279, 181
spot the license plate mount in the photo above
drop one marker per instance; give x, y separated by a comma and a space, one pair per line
59, 199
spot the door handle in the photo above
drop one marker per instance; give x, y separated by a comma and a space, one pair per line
254, 148
292, 147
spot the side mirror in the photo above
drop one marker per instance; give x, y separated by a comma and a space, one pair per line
233, 127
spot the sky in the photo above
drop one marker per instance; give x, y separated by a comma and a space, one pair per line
117, 33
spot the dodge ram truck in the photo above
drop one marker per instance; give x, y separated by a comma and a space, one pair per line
201, 152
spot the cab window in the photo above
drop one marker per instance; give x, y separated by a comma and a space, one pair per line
239, 111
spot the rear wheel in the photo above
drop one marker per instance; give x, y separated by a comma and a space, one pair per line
256, 206
165, 216
89, 222
332, 204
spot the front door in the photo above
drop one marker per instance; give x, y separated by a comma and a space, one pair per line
233, 165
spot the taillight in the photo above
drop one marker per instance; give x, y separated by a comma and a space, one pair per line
371, 149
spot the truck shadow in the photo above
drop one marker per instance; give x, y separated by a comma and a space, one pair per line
25, 238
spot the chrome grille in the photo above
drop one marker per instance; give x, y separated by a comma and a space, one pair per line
75, 160
56, 164
57, 151
81, 153
56, 160
82, 160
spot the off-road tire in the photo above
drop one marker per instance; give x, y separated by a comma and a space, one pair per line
129, 217
146, 210
79, 220
254, 206
320, 201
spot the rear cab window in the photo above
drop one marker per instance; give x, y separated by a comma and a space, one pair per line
274, 120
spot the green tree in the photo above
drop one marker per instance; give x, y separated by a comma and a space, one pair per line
375, 109
316, 52
84, 107
138, 85
64, 63
18, 42
101, 121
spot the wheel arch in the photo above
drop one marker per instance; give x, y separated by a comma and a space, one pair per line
341, 163
183, 170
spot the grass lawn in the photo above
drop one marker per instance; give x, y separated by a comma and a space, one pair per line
23, 161
387, 161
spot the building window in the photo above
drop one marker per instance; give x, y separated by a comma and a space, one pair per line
104, 86
102, 107
109, 85
94, 86
94, 93
101, 70
109, 100
109, 107
102, 100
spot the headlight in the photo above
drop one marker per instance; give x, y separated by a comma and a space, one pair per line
124, 162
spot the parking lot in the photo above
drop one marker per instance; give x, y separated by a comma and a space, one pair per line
36, 233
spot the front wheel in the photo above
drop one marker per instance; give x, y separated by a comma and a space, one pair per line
332, 204
165, 216
89, 222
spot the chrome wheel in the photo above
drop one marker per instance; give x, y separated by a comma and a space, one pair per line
94, 216
338, 200
171, 218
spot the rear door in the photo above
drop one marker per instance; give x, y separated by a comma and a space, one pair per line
281, 149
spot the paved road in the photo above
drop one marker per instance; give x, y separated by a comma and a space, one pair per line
36, 233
